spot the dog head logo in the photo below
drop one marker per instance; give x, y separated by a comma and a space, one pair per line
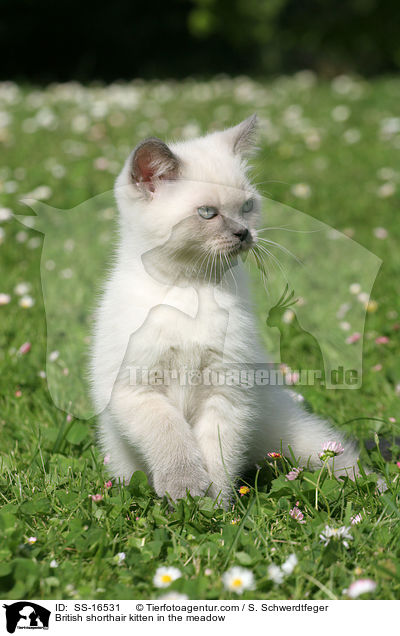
26, 615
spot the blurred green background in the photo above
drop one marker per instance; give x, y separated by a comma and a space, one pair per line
44, 41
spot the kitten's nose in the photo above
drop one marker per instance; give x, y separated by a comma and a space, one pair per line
242, 234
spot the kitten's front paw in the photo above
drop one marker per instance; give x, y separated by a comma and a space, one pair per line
177, 485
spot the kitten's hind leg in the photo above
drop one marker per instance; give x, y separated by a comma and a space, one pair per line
283, 424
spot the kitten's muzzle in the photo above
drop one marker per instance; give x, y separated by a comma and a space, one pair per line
242, 234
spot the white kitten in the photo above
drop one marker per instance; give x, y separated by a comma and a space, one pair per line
168, 307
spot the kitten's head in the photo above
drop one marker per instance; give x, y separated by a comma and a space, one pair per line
192, 197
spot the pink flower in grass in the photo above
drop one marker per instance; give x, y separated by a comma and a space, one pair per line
355, 337
24, 348
274, 455
108, 484
293, 474
331, 449
97, 497
356, 519
398, 465
297, 515
362, 586
382, 340
292, 377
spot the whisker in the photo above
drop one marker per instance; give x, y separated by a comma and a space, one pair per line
282, 248
274, 259
230, 267
287, 229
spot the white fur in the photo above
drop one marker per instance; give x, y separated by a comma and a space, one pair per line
158, 313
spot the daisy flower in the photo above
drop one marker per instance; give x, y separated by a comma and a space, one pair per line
22, 288
238, 580
293, 474
362, 586
31, 540
26, 302
289, 564
337, 534
164, 576
53, 564
355, 288
331, 449
301, 190
173, 596
275, 573
297, 515
5, 299
5, 214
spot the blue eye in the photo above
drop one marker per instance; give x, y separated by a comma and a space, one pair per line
207, 211
247, 206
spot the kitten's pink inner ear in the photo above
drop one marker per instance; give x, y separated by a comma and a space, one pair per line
153, 160
144, 168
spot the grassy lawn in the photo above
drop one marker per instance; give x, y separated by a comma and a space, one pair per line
330, 150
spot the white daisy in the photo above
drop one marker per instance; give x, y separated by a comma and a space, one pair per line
337, 534
22, 288
5, 214
355, 288
289, 564
301, 190
5, 299
26, 302
173, 596
164, 576
238, 579
275, 573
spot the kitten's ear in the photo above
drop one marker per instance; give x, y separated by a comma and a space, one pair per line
153, 160
242, 136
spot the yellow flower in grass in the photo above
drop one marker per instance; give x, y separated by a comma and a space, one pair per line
244, 490
164, 576
371, 306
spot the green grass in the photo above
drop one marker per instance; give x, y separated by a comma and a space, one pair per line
50, 466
